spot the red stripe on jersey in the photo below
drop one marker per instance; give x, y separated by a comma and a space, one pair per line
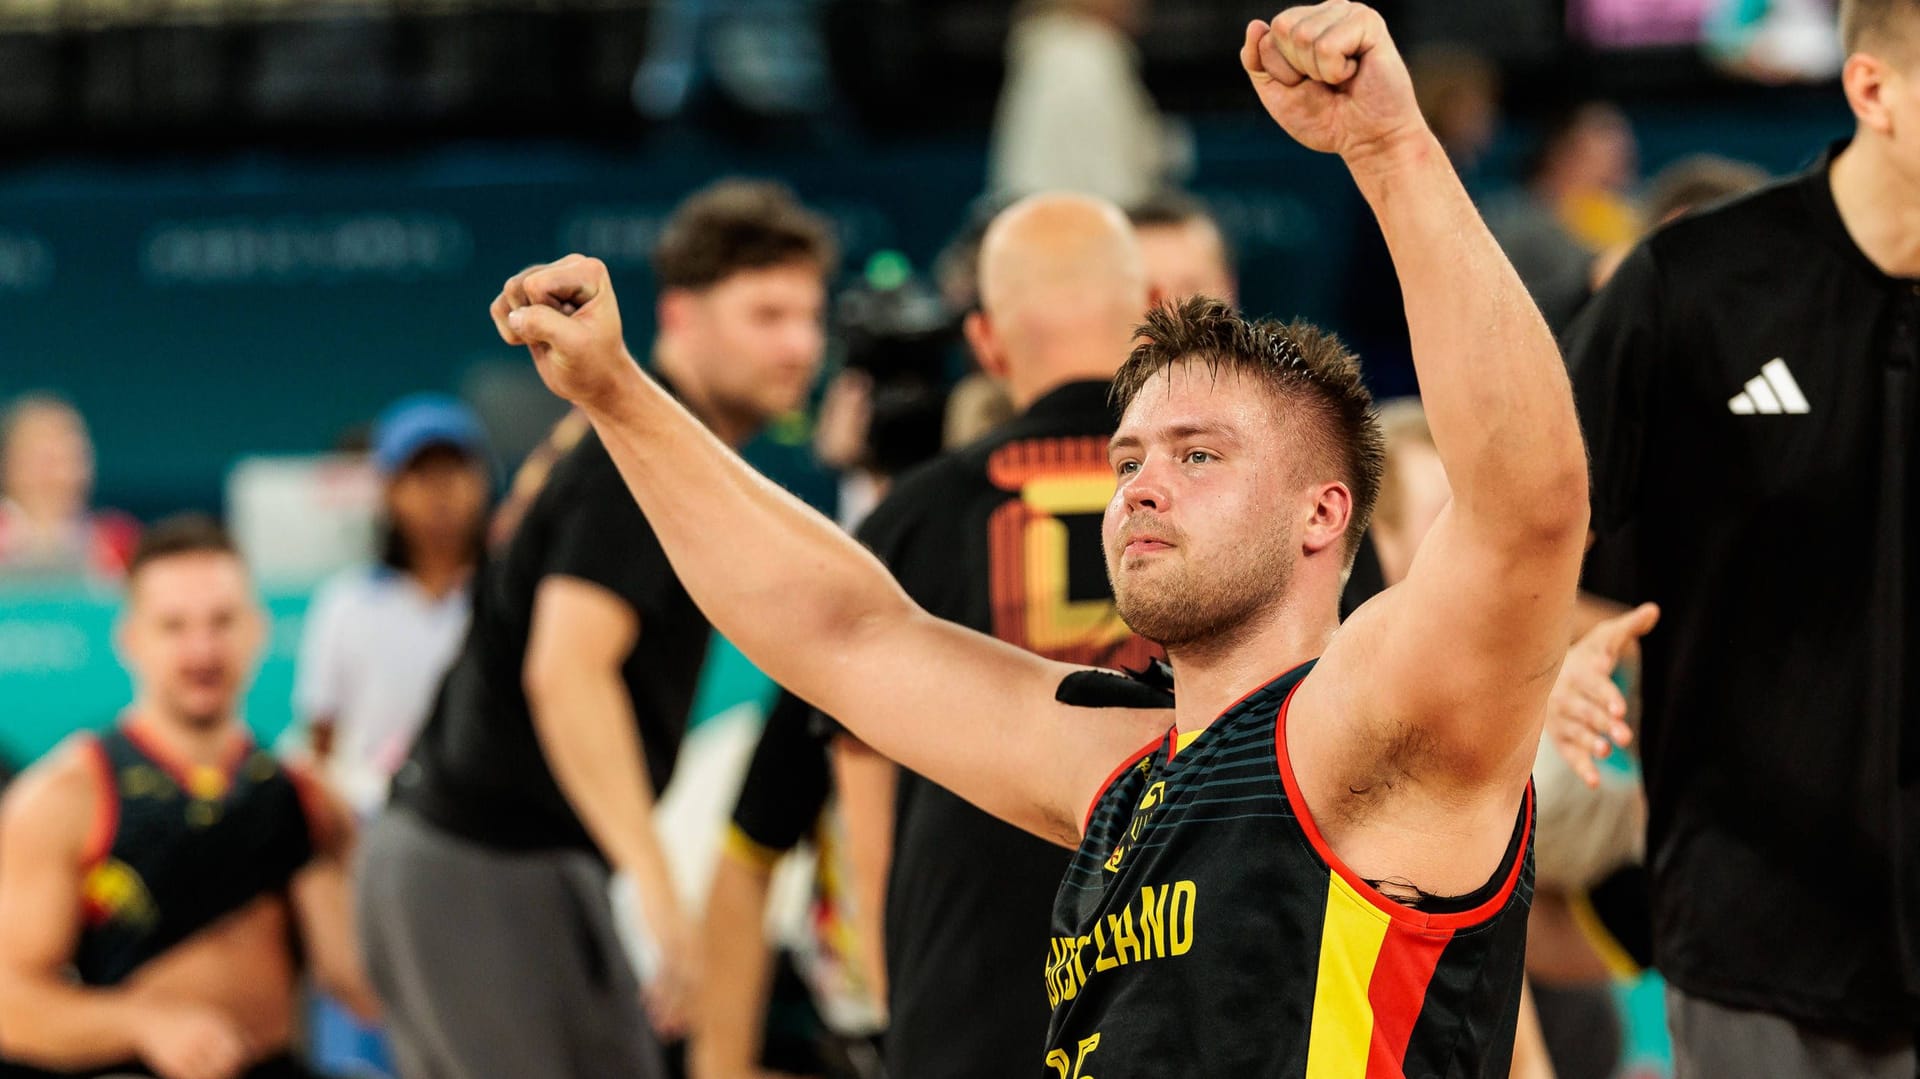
1397, 992
106, 812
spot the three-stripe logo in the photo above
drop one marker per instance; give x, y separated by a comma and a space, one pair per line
1772, 392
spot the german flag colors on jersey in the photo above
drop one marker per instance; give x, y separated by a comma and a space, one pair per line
1205, 928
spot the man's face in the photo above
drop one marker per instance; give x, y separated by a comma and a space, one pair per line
192, 634
1203, 530
49, 462
1187, 259
758, 338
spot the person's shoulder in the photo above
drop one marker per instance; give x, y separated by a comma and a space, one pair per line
1708, 236
55, 798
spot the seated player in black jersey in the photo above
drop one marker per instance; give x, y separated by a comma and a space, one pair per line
154, 880
1322, 867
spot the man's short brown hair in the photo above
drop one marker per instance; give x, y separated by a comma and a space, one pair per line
737, 225
187, 533
1868, 24
1304, 364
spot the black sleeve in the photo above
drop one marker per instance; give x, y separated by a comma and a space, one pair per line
787, 780
603, 537
1613, 349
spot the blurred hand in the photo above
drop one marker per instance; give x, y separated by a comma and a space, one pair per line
566, 314
673, 989
846, 418
1586, 712
192, 1041
1331, 77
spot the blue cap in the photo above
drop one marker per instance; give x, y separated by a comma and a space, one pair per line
424, 420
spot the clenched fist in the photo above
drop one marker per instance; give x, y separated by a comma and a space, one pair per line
1330, 76
566, 314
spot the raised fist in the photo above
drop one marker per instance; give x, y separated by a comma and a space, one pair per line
1331, 77
566, 314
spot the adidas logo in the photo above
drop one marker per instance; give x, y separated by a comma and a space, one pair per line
1770, 393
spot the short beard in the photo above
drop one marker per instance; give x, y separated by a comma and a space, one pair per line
1207, 610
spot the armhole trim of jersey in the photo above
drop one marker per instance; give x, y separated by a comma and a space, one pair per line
106, 812
1114, 777
1399, 912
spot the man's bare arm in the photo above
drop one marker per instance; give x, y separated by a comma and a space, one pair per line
805, 602
323, 904
581, 635
45, 1018
1459, 657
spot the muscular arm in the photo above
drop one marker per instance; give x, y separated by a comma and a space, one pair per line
46, 1019
1449, 671
580, 637
805, 602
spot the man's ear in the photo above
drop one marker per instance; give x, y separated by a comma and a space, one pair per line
984, 340
674, 310
1865, 78
1332, 516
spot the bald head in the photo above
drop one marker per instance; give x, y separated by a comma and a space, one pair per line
1062, 286
1055, 256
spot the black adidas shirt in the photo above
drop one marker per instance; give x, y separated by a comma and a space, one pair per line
1002, 537
1748, 391
477, 769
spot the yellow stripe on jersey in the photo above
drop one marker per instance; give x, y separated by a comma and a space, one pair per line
741, 848
1342, 1031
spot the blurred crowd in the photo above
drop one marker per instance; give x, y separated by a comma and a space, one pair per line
538, 592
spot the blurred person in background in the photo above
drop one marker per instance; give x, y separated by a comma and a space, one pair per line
1748, 370
1590, 924
378, 639
484, 894
1458, 89
897, 340
993, 536
1574, 206
47, 528
1183, 249
163, 884
1686, 185
1074, 114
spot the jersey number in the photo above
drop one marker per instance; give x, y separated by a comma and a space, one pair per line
1070, 1068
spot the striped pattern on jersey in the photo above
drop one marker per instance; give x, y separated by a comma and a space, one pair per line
1205, 928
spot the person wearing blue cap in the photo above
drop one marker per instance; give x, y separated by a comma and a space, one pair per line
379, 638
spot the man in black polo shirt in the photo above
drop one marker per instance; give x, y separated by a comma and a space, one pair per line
1748, 389
484, 901
1004, 537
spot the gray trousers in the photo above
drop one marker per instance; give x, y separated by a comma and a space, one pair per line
1712, 1041
496, 965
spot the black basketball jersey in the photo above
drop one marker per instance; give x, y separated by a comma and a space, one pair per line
1205, 928
176, 847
